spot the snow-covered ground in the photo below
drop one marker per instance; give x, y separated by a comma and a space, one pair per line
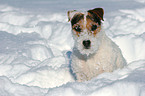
36, 43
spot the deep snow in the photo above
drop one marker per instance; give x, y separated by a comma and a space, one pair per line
36, 43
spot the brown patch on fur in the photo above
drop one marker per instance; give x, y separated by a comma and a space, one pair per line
90, 23
98, 12
80, 23
76, 18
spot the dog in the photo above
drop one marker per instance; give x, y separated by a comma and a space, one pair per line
93, 52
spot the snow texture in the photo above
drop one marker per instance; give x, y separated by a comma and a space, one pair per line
36, 43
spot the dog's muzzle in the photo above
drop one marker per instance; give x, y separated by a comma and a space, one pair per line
87, 44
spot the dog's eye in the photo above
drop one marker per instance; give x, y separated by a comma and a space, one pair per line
77, 28
94, 27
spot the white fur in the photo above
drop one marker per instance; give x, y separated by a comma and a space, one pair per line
95, 42
103, 56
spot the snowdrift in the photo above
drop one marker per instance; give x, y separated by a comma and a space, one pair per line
36, 43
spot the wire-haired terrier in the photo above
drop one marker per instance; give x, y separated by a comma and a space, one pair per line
93, 52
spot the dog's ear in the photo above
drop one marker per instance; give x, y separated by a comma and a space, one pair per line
98, 11
71, 14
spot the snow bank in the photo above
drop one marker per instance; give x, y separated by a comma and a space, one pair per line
129, 81
132, 46
35, 49
50, 73
7, 88
26, 59
126, 28
30, 51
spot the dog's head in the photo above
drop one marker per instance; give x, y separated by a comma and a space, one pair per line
86, 28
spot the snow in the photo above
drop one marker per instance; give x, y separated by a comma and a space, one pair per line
122, 82
36, 44
7, 88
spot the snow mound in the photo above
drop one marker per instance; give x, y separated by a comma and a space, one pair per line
36, 43
126, 82
7, 88
126, 28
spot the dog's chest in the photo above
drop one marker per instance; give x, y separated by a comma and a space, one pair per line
94, 65
90, 65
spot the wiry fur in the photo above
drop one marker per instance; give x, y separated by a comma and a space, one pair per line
95, 42
103, 55
107, 58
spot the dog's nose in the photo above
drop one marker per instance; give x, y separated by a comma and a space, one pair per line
87, 44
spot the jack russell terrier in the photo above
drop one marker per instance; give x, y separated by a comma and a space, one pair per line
93, 52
